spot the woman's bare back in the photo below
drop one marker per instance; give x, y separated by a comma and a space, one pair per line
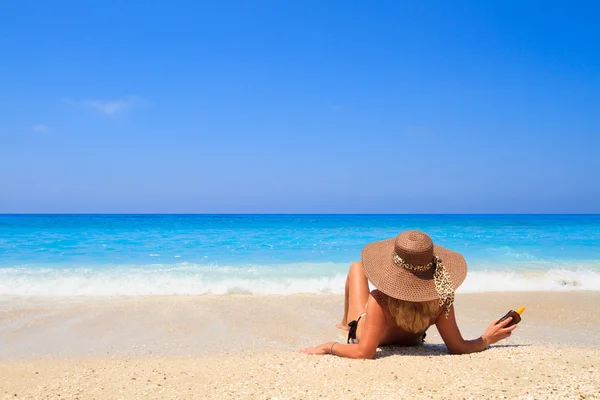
391, 333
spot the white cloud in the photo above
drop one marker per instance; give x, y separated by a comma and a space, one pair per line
40, 128
110, 108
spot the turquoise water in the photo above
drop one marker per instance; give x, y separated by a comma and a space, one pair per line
189, 254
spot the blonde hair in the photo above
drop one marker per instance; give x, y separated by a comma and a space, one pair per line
413, 316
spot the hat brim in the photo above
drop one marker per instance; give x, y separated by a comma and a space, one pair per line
404, 284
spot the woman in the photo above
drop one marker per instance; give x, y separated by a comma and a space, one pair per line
415, 282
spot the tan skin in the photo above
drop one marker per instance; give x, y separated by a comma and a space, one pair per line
378, 327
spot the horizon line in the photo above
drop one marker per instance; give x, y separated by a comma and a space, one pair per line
281, 214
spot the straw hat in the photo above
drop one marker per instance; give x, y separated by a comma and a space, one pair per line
411, 268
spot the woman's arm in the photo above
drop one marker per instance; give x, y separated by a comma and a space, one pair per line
457, 345
341, 349
374, 323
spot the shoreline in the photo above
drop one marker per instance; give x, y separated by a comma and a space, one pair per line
245, 346
190, 279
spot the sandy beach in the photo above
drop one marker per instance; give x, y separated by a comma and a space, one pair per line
245, 346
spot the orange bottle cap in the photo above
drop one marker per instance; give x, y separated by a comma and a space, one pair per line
520, 310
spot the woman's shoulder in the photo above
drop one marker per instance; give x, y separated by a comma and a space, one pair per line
380, 298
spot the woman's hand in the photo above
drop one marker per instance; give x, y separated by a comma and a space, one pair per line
321, 349
498, 331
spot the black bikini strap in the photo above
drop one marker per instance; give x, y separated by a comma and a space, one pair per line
352, 332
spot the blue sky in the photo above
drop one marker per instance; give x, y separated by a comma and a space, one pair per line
299, 107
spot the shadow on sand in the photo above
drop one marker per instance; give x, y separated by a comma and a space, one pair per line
425, 350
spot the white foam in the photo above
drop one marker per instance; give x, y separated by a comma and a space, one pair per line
533, 280
195, 279
159, 282
165, 279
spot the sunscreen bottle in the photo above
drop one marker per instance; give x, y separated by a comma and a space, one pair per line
516, 317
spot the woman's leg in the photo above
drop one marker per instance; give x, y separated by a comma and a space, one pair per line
344, 324
356, 296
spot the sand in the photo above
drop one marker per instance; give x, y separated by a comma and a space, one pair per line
245, 346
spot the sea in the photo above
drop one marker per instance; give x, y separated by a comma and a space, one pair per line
131, 255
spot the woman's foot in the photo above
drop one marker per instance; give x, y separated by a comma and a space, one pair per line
343, 326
